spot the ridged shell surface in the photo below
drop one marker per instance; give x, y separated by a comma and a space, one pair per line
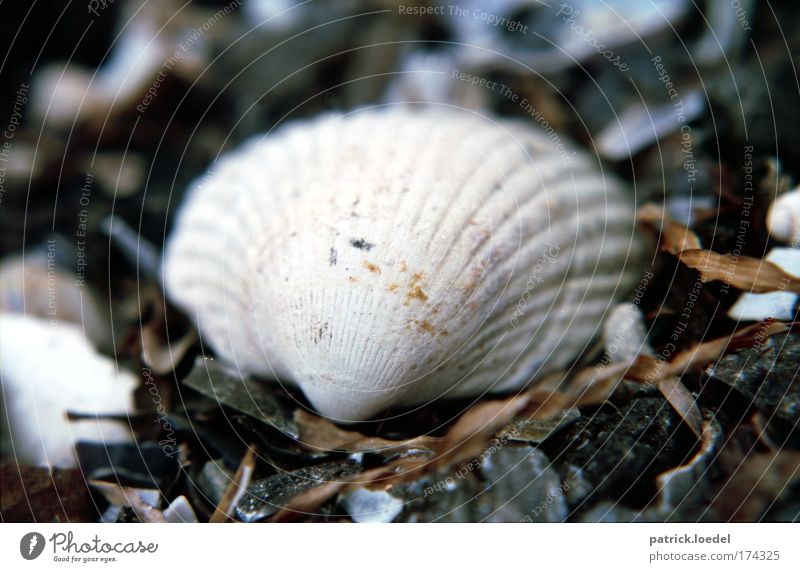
391, 257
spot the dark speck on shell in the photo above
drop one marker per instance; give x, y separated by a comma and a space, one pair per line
361, 244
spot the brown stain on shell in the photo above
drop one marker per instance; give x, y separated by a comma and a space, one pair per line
372, 267
415, 291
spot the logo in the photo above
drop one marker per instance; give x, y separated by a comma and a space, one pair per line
31, 545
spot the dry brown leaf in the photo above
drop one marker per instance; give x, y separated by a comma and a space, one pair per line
590, 386
545, 403
308, 501
318, 433
237, 487
683, 402
648, 369
593, 385
467, 438
742, 272
707, 352
674, 237
165, 337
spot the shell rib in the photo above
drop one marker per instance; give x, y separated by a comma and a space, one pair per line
391, 257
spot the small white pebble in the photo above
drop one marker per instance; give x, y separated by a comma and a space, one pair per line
371, 506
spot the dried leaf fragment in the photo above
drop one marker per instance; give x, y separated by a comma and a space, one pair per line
648, 369
683, 403
131, 497
742, 272
469, 435
674, 237
316, 432
306, 502
237, 487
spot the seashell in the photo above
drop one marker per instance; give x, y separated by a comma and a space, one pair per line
38, 393
392, 257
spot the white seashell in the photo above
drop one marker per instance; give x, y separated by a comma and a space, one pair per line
392, 257
783, 218
48, 370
